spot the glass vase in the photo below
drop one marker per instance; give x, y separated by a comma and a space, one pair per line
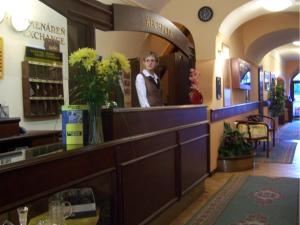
95, 124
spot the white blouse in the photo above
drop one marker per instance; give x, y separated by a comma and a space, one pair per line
141, 87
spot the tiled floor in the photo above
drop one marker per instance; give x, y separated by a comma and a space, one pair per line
214, 183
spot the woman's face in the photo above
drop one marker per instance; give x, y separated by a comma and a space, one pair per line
150, 63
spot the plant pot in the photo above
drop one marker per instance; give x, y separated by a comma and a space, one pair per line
233, 164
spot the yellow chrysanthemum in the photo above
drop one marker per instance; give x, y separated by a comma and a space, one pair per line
124, 63
86, 56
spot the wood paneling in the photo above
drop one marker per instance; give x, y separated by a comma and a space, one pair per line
9, 127
122, 122
151, 167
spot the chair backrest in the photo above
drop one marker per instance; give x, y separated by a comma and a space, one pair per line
253, 130
265, 119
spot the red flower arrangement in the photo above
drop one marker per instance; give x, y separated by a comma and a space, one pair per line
195, 94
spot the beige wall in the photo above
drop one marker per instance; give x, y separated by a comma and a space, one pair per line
269, 23
129, 43
13, 54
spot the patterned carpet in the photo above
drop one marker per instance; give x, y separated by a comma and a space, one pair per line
283, 152
289, 131
284, 149
250, 200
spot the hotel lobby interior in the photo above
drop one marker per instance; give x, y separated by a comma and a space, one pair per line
223, 147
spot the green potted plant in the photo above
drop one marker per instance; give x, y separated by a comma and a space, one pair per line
277, 102
235, 152
276, 107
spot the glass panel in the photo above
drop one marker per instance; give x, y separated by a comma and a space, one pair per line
25, 153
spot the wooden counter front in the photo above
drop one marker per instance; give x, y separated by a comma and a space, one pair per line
126, 122
159, 162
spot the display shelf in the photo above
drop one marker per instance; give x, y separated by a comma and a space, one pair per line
42, 89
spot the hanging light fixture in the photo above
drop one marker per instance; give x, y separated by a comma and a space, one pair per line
275, 5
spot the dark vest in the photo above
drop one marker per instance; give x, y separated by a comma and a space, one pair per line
154, 92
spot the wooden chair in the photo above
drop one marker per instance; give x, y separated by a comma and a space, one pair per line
267, 120
254, 132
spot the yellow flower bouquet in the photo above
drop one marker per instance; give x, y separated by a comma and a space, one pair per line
96, 78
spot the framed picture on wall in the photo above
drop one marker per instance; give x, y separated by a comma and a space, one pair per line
218, 88
267, 80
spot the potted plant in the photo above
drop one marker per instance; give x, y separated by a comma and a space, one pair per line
235, 153
277, 102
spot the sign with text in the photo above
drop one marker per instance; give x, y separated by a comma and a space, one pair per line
40, 55
75, 124
146, 21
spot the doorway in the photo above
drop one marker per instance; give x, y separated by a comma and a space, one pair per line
296, 95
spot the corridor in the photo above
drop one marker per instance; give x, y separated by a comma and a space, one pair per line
214, 183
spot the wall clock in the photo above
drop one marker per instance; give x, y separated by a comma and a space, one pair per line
205, 13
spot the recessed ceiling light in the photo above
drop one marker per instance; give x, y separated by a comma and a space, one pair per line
297, 43
275, 5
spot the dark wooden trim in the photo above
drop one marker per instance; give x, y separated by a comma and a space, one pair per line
178, 166
227, 112
144, 222
194, 139
212, 173
149, 155
96, 5
154, 108
90, 17
184, 192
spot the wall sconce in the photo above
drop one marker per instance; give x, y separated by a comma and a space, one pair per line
19, 23
18, 12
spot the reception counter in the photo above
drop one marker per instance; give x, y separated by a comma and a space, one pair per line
154, 157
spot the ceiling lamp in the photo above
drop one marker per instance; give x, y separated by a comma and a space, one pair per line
275, 5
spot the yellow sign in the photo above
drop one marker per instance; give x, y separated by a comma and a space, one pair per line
74, 133
1, 58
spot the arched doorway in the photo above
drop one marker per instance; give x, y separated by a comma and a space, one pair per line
295, 94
